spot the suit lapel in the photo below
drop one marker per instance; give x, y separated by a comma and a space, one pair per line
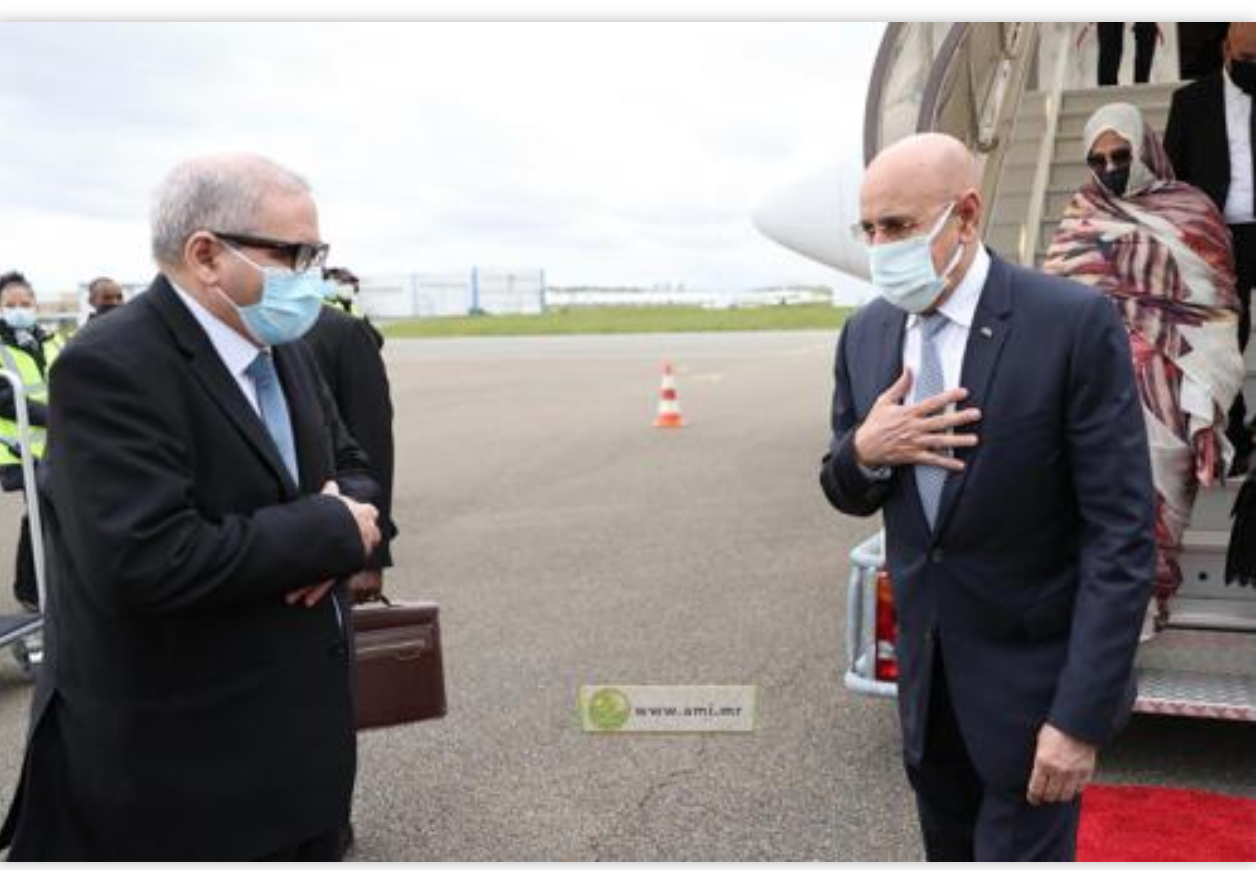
207, 367
990, 329
893, 333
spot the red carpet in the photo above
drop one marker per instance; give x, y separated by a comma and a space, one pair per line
1140, 823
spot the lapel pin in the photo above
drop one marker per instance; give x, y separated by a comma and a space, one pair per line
987, 332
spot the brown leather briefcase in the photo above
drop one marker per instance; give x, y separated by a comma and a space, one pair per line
400, 677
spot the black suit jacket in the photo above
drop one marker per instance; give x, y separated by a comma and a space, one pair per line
1196, 140
347, 349
184, 710
1036, 576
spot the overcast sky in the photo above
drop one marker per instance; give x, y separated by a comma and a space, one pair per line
605, 153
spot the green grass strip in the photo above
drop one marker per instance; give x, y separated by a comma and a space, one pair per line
621, 319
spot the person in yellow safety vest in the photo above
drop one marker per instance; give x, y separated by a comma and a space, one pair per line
346, 290
27, 350
345, 285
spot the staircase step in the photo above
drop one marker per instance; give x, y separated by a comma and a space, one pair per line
1203, 576
1203, 568
1068, 177
1202, 652
1171, 693
1126, 93
1206, 540
1225, 614
1022, 152
1212, 506
1014, 207
1090, 99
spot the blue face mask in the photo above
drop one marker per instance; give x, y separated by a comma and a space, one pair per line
289, 305
20, 318
904, 273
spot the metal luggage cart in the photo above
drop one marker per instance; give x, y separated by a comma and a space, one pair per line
23, 631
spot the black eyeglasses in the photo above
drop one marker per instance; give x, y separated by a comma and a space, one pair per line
304, 256
1119, 159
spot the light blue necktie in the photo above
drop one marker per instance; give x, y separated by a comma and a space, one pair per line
274, 409
929, 382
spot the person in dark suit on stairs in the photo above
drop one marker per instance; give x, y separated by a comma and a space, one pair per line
1211, 140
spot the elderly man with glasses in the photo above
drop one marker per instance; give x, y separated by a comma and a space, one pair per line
204, 505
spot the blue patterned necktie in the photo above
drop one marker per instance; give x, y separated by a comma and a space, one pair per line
274, 409
929, 382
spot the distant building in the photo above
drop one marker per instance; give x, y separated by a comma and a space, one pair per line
450, 294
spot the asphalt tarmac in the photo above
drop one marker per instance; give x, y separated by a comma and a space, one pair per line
569, 542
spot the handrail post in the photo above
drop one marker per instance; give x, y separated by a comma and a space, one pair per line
1052, 106
31, 484
1007, 92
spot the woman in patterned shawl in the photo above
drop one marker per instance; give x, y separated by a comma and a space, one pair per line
1160, 249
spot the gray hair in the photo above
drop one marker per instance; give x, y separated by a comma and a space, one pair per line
220, 192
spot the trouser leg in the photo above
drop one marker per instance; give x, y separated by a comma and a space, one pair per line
1239, 429
1144, 51
25, 587
1010, 829
948, 789
1111, 36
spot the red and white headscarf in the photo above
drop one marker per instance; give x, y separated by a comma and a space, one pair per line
1164, 252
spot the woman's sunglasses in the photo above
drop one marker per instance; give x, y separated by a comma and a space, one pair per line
1118, 159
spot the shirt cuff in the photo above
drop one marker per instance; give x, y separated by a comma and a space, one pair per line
882, 472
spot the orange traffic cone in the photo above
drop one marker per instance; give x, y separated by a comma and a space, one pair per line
669, 404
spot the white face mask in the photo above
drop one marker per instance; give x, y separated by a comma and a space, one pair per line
20, 318
289, 305
903, 271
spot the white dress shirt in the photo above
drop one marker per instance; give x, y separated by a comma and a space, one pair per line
236, 352
1239, 208
959, 309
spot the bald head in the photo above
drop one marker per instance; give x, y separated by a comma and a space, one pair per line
925, 183
921, 171
913, 180
1240, 41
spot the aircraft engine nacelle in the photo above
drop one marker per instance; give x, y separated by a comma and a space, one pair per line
812, 216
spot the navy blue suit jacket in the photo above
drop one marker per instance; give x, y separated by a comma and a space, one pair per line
1037, 574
